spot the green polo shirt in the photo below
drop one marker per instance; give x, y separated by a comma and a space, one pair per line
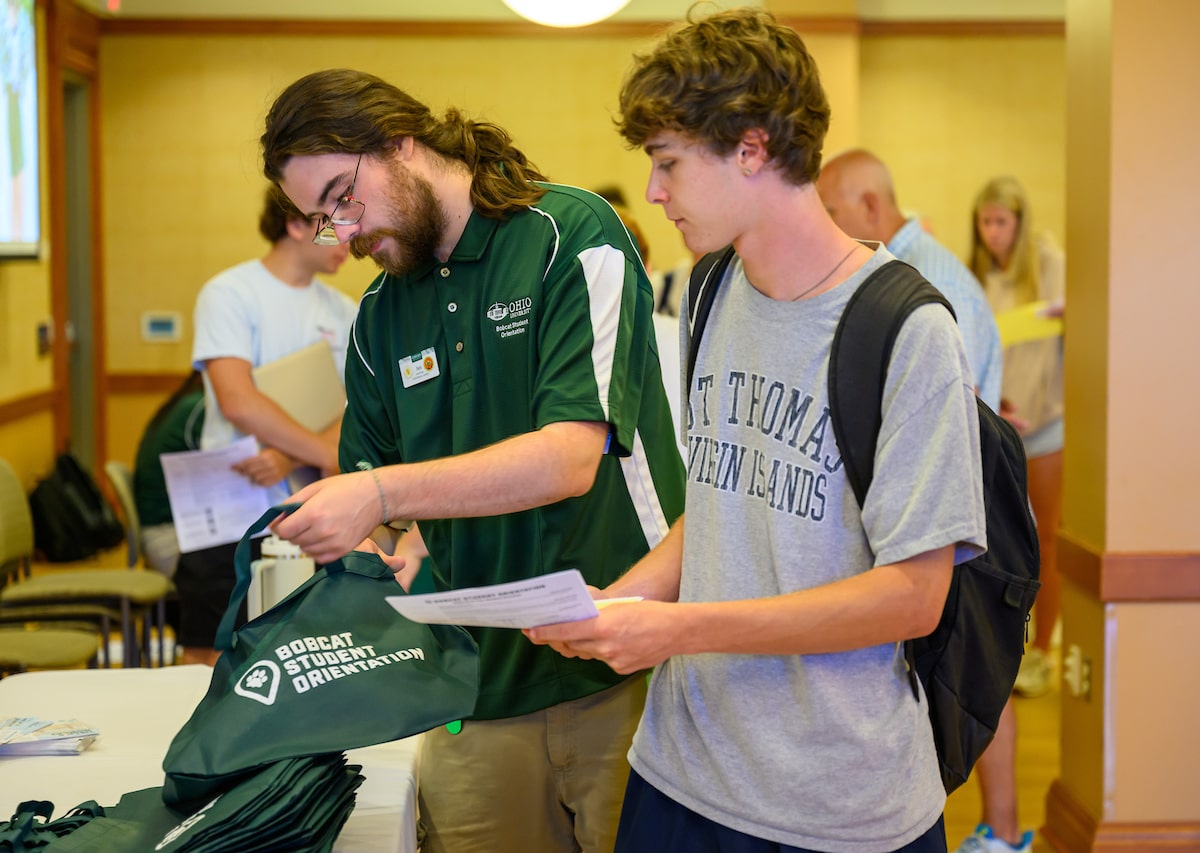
539, 318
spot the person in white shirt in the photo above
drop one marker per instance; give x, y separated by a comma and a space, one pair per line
245, 317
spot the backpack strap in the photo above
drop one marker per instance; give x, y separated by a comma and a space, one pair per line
871, 320
702, 289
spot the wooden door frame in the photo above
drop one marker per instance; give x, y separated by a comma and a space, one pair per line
73, 46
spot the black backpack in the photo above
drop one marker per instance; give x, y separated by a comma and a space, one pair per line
969, 663
71, 519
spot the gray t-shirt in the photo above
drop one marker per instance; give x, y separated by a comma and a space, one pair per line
828, 752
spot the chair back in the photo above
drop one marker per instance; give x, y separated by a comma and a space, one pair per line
16, 523
121, 478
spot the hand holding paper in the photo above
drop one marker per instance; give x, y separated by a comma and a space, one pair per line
211, 503
630, 634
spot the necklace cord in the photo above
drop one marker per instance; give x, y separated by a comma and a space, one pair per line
825, 278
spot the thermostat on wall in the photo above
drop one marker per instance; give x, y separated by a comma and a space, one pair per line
159, 327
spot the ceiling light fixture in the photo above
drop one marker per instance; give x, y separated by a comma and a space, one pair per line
557, 13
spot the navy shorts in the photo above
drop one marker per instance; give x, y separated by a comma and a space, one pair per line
651, 822
204, 581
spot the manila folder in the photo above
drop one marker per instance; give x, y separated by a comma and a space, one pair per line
306, 385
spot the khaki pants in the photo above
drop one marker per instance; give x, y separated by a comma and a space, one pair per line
547, 782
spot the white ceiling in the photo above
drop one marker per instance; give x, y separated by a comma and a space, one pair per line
496, 11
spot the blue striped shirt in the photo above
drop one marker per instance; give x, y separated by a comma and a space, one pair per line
913, 245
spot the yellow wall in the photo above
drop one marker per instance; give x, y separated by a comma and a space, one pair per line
947, 114
132, 413
28, 444
24, 302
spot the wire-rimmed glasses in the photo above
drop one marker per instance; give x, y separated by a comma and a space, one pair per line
347, 211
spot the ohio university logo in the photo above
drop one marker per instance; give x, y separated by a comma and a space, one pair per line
515, 312
518, 307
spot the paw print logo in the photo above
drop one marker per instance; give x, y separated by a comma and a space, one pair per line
260, 682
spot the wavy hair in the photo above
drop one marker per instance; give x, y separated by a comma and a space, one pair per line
352, 112
714, 78
1024, 268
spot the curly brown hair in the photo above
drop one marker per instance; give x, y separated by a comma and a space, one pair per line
716, 77
352, 112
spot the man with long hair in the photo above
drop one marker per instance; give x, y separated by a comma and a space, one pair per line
780, 714
503, 390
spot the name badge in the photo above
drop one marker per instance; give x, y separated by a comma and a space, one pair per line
419, 368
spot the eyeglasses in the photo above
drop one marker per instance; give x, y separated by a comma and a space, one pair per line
347, 211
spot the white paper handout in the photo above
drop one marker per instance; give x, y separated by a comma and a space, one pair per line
211, 503
557, 597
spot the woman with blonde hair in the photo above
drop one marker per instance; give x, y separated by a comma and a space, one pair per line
1018, 267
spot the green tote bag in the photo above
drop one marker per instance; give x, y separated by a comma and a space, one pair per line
331, 667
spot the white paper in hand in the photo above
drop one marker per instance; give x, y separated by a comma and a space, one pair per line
557, 597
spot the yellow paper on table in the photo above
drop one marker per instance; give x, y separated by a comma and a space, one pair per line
1028, 323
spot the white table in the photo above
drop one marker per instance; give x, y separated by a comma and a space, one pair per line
138, 713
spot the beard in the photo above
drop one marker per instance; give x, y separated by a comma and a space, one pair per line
418, 223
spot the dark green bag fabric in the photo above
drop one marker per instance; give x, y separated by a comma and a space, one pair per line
30, 827
331, 667
297, 804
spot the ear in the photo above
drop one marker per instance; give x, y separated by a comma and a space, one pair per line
751, 152
871, 201
301, 229
405, 146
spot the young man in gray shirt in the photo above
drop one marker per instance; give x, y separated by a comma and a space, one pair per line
780, 712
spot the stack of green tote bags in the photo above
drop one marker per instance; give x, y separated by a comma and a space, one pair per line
260, 764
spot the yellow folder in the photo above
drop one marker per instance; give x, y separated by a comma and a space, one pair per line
1028, 323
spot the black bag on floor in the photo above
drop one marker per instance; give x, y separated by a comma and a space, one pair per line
71, 519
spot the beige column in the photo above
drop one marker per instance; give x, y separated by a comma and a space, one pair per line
1130, 541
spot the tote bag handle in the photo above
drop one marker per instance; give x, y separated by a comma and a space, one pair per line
365, 564
244, 574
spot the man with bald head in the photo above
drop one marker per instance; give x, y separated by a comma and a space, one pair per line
856, 188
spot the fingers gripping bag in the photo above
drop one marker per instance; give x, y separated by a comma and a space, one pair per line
330, 667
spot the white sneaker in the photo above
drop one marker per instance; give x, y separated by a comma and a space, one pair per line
983, 840
1033, 678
